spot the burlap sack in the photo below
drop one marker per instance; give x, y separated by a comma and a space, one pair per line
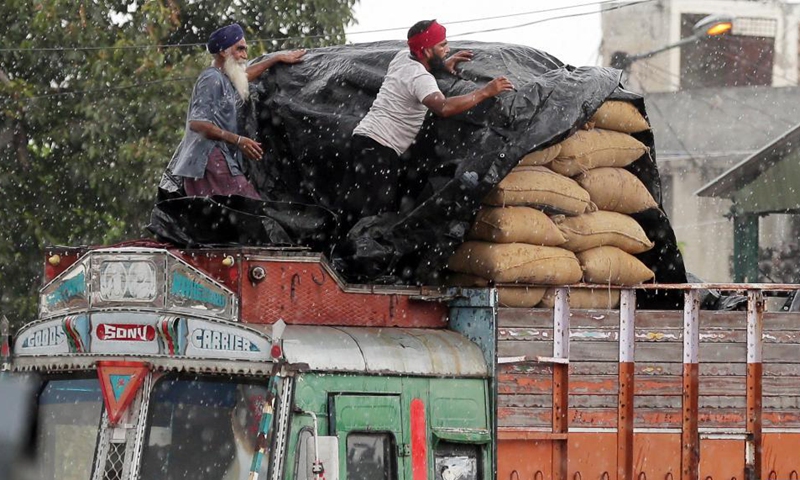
584, 298
519, 297
600, 228
515, 224
612, 266
619, 116
516, 263
587, 149
616, 190
541, 157
522, 296
542, 188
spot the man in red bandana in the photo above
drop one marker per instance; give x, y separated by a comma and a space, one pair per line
408, 91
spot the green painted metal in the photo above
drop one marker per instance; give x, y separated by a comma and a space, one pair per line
457, 411
776, 190
473, 313
745, 248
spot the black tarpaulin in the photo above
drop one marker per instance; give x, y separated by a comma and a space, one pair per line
304, 115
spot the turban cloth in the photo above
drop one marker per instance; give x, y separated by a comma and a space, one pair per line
224, 37
434, 34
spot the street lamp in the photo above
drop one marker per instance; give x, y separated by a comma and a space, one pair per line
710, 26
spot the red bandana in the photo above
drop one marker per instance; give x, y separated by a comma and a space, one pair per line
427, 39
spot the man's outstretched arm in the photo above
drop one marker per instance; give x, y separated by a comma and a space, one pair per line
256, 69
447, 107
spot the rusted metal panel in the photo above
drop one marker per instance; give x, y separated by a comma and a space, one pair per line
597, 459
780, 456
309, 281
722, 459
524, 459
376, 350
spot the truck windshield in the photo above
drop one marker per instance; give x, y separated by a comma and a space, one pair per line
69, 421
202, 428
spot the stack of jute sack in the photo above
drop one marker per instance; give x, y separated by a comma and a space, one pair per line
562, 216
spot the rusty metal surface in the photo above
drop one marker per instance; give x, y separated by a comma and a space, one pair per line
305, 291
380, 350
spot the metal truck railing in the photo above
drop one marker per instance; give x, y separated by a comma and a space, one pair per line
687, 396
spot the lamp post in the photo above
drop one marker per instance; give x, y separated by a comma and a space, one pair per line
710, 26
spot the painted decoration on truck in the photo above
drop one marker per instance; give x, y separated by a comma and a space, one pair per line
42, 338
212, 339
192, 292
124, 332
119, 382
172, 334
67, 292
122, 279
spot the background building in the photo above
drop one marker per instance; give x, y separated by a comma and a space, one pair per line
713, 103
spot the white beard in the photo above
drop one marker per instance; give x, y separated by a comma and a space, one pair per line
235, 70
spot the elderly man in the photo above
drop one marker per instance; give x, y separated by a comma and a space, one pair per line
208, 159
408, 91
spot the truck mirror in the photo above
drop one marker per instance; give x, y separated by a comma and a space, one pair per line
325, 464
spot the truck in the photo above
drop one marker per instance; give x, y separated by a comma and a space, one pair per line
156, 362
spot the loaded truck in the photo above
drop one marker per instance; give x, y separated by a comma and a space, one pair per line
156, 362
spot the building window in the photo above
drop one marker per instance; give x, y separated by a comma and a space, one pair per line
743, 57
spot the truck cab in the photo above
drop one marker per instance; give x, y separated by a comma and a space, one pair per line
148, 366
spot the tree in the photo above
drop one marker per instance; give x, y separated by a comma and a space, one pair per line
93, 98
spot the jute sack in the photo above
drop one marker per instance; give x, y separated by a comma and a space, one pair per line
619, 116
616, 190
516, 263
541, 157
519, 297
586, 149
515, 224
522, 296
584, 298
540, 187
600, 228
613, 266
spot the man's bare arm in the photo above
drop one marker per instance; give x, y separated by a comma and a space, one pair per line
249, 147
447, 107
256, 69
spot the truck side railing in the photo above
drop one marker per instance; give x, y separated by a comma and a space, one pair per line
672, 419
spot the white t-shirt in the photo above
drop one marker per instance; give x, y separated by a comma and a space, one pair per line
398, 113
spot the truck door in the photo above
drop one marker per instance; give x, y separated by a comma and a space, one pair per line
369, 428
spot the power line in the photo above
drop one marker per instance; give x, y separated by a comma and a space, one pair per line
106, 89
572, 15
363, 32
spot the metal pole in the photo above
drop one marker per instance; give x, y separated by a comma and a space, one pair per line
755, 326
690, 437
561, 383
626, 394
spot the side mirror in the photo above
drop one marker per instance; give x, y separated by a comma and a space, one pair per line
325, 464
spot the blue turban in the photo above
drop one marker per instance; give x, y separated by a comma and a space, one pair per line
224, 38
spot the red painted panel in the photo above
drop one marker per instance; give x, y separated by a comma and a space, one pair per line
304, 293
722, 459
524, 459
781, 456
657, 456
419, 441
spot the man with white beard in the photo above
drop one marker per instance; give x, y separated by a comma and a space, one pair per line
208, 160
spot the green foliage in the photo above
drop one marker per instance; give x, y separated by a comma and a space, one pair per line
86, 132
